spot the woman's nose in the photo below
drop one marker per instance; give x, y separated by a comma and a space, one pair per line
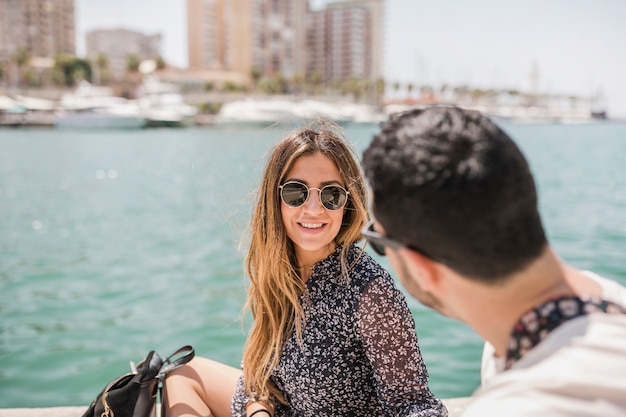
313, 203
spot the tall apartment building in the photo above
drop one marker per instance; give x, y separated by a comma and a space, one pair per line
44, 28
219, 35
345, 40
238, 35
317, 45
118, 44
279, 37
285, 37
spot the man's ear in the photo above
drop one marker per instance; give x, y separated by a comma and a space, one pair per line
422, 268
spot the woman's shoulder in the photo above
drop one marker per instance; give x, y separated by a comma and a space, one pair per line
369, 278
364, 268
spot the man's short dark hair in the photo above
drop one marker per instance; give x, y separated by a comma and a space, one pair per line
449, 181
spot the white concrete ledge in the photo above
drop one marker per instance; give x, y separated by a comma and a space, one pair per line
43, 412
455, 407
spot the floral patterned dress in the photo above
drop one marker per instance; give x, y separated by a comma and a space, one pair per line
359, 355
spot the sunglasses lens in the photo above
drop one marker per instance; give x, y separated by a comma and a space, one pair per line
333, 197
294, 194
378, 248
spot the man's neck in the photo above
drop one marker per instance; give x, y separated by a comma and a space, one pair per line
505, 303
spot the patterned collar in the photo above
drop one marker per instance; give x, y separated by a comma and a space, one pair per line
536, 325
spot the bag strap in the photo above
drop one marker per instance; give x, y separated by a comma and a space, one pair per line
169, 365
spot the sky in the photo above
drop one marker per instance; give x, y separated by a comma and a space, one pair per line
577, 46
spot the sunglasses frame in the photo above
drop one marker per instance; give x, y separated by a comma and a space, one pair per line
308, 194
379, 242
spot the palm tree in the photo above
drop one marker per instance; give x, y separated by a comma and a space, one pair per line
30, 78
298, 82
21, 57
160, 62
102, 65
255, 74
443, 88
349, 86
316, 79
132, 65
380, 90
409, 89
395, 86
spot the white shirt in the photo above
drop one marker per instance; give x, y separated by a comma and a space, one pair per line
611, 291
544, 381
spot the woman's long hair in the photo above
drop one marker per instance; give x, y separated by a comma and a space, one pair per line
275, 283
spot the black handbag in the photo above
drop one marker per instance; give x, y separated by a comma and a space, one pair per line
135, 394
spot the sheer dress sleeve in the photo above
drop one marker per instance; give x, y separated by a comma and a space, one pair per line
239, 400
387, 330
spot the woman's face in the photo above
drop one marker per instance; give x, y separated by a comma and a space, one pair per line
311, 227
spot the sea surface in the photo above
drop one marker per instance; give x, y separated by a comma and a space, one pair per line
116, 243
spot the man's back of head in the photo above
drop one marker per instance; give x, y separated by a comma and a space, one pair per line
449, 181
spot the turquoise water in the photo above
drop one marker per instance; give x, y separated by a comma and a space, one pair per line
115, 243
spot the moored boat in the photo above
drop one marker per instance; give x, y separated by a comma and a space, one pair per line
92, 107
163, 105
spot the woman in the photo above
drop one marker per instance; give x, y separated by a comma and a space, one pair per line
331, 334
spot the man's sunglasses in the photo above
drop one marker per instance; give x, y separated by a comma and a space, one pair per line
378, 242
295, 194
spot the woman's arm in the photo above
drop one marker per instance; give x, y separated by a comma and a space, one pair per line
243, 405
387, 330
258, 409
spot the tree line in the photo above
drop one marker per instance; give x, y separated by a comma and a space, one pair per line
67, 70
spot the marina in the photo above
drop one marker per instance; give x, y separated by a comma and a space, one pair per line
157, 103
87, 107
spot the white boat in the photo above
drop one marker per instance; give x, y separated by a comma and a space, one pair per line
309, 108
256, 112
275, 110
26, 111
113, 117
163, 105
94, 107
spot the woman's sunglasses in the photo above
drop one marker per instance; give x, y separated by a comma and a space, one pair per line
295, 194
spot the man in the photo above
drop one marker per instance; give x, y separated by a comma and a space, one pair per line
456, 212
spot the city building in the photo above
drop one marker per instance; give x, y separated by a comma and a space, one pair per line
40, 28
118, 46
279, 37
345, 40
267, 36
219, 33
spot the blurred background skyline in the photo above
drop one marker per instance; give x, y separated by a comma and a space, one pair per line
562, 46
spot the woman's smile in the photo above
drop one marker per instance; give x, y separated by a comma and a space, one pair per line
312, 226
